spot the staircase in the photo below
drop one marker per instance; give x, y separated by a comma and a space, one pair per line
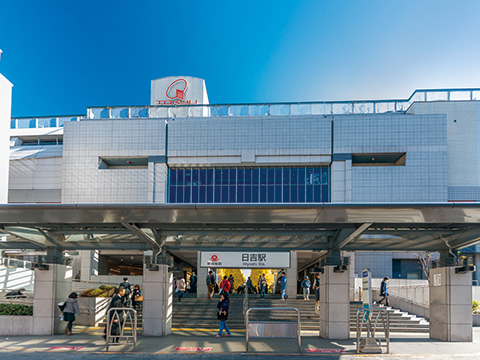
194, 313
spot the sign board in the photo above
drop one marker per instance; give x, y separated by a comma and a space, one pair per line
366, 288
245, 259
178, 90
192, 348
437, 279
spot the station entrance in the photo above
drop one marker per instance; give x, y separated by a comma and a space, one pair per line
327, 230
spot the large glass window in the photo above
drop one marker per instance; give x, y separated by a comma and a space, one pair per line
227, 185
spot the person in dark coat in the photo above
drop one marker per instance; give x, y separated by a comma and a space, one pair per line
384, 291
222, 315
136, 292
232, 283
128, 291
71, 308
116, 302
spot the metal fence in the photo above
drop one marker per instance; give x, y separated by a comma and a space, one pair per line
121, 325
370, 321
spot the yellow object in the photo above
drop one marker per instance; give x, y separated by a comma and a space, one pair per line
237, 276
269, 275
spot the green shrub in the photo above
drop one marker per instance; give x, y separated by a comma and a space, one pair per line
16, 309
476, 307
102, 291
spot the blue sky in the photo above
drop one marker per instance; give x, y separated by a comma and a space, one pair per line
63, 56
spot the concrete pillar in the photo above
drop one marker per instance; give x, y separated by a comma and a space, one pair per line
89, 264
450, 305
50, 287
5, 115
341, 181
292, 275
202, 291
157, 301
334, 304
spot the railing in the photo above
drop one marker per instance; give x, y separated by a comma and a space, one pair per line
273, 329
367, 322
414, 300
245, 300
121, 317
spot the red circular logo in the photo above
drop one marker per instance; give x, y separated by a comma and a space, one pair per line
177, 89
214, 257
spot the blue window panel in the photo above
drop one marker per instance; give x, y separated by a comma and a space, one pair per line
104, 114
248, 176
286, 176
195, 177
317, 193
188, 177
248, 194
309, 195
218, 176
225, 176
46, 123
218, 194
209, 176
203, 177
194, 194
278, 176
294, 176
187, 197
294, 194
179, 194
202, 189
255, 194
12, 124
301, 194
26, 123
173, 194
225, 194
233, 176
180, 177
271, 176
240, 176
209, 194
309, 177
286, 194
317, 176
278, 193
325, 193
271, 194
324, 176
232, 197
240, 194
263, 193
255, 176
173, 176
301, 176
263, 176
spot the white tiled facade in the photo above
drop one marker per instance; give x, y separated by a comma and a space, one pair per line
440, 139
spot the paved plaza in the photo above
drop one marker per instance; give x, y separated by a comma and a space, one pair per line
90, 345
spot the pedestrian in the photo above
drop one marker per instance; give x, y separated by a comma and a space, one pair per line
128, 291
317, 292
136, 294
193, 283
306, 284
78, 276
71, 308
232, 283
116, 317
262, 284
250, 287
210, 284
181, 287
283, 285
225, 285
384, 291
222, 315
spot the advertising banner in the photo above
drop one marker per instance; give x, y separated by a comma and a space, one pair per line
245, 259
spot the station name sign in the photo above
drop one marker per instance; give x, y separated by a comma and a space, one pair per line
245, 259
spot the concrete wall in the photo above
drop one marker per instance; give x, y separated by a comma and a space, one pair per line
16, 325
5, 114
92, 311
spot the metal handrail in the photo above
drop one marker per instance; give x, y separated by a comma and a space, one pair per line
116, 316
365, 317
247, 323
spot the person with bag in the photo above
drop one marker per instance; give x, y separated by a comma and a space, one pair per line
306, 285
116, 302
384, 291
262, 284
136, 296
225, 285
181, 287
128, 291
69, 310
210, 284
222, 315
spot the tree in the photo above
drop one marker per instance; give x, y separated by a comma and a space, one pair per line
425, 258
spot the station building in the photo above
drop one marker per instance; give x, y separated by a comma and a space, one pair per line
182, 150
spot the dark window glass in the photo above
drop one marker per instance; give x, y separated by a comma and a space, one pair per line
294, 194
218, 194
255, 196
309, 193
209, 176
301, 176
278, 176
248, 194
203, 176
316, 176
248, 176
324, 176
224, 176
309, 176
180, 177
194, 194
286, 194
271, 194
233, 176
232, 198
317, 193
195, 177
240, 191
301, 194
209, 194
240, 176
188, 177
179, 194
286, 176
173, 194
325, 193
187, 198
202, 194
255, 176
263, 193
294, 176
278, 193
218, 176
173, 177
224, 194
263, 176
271, 176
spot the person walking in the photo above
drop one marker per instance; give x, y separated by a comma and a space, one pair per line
232, 283
222, 315
181, 287
71, 308
384, 291
135, 295
306, 284
210, 284
283, 285
317, 292
128, 291
116, 302
250, 288
262, 284
225, 285
193, 283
